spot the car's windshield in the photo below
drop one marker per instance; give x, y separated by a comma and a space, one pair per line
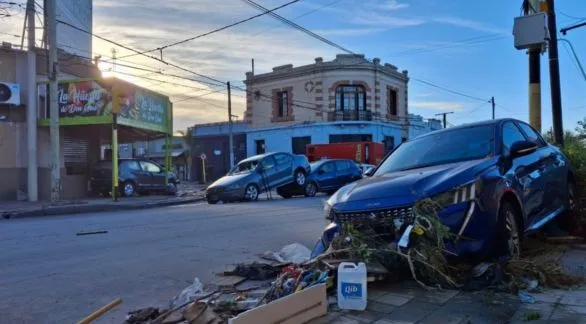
244, 167
457, 145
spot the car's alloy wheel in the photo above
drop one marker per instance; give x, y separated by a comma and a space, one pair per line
172, 188
311, 189
251, 193
300, 178
128, 189
509, 239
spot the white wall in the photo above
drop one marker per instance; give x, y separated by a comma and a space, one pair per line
280, 139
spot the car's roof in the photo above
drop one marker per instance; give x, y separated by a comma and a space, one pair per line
256, 157
489, 122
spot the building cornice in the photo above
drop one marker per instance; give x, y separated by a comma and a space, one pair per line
342, 62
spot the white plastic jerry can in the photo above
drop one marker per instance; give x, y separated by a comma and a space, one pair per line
352, 281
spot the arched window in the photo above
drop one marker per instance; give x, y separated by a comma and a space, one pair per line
350, 98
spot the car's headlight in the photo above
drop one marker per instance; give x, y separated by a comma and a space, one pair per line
459, 195
328, 211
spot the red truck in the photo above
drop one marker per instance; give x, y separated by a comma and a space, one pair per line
361, 152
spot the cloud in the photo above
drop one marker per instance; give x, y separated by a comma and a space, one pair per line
392, 5
437, 105
376, 19
472, 24
349, 31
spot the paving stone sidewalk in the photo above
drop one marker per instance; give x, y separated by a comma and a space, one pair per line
409, 303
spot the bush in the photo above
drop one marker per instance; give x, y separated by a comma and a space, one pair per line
575, 149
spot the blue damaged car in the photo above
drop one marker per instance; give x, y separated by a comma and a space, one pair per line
498, 180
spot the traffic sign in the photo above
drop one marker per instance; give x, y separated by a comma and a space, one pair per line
203, 156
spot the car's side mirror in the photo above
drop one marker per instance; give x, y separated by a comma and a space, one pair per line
320, 171
369, 173
522, 148
259, 169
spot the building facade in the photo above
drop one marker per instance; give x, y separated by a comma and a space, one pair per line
349, 99
349, 88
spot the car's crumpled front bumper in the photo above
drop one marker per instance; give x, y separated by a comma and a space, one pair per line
473, 227
225, 195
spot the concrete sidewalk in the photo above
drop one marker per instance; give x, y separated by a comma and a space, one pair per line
187, 193
407, 302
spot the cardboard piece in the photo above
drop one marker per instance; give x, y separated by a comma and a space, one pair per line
300, 307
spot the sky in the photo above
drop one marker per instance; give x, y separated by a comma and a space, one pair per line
462, 46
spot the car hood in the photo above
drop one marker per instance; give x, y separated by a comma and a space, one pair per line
230, 179
405, 187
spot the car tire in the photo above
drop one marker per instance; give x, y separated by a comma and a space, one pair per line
212, 202
568, 221
311, 189
128, 189
172, 188
251, 192
299, 178
509, 237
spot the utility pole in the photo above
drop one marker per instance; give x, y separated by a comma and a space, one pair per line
444, 117
231, 139
53, 104
31, 105
554, 76
531, 7
492, 102
252, 66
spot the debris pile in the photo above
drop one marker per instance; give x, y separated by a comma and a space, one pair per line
399, 251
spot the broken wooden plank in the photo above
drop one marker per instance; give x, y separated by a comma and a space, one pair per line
300, 307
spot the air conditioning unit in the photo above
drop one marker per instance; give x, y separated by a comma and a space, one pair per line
9, 93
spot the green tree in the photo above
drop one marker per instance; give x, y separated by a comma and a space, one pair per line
581, 128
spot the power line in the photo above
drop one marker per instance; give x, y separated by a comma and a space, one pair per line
570, 16
140, 53
213, 31
469, 41
448, 90
296, 26
269, 29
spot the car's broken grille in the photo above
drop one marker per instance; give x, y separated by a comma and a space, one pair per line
393, 216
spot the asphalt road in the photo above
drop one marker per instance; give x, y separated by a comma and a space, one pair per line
50, 275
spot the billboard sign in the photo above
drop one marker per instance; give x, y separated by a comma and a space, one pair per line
93, 102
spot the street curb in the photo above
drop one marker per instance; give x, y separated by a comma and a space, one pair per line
94, 208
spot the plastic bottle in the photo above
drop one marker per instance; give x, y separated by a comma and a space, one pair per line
352, 281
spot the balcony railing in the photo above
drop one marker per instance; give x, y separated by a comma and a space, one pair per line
350, 115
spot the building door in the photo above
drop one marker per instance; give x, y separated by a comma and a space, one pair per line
260, 146
299, 144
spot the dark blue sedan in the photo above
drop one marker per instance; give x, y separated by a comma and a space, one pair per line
497, 180
330, 175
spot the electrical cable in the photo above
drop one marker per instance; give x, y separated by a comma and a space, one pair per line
269, 29
298, 27
213, 31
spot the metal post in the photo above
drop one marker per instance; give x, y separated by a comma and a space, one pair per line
203, 167
231, 139
252, 66
554, 76
115, 179
530, 7
31, 106
53, 106
445, 119
492, 102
